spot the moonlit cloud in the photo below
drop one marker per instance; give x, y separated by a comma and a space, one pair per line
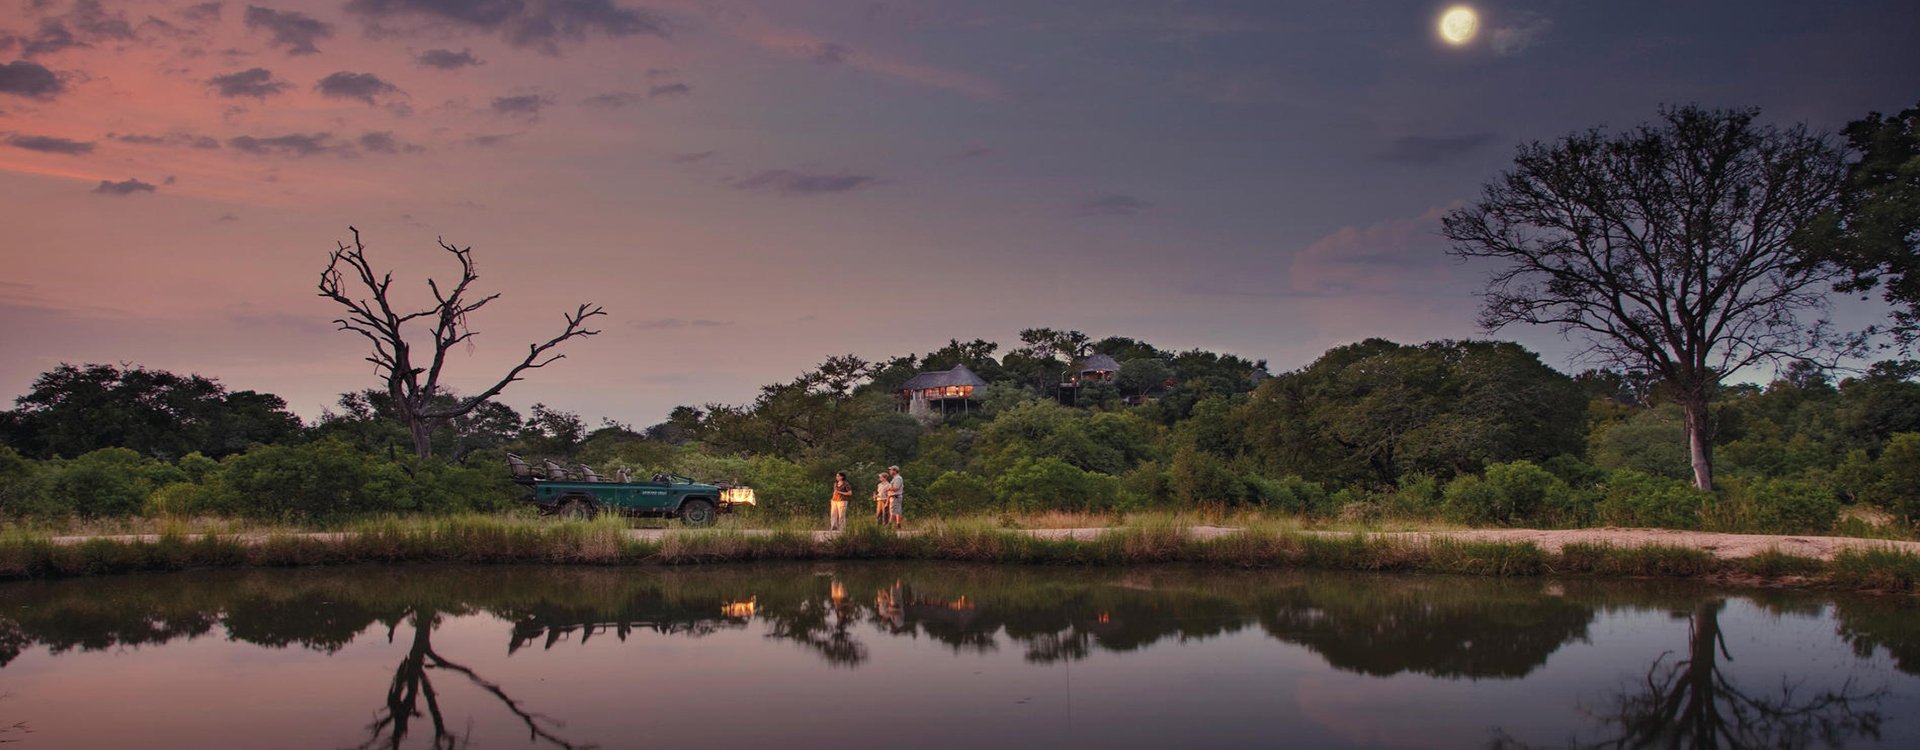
613, 99
293, 144
446, 59
664, 324
258, 83
298, 32
789, 182
123, 187
383, 142
669, 89
1518, 37
202, 13
30, 79
176, 139
535, 24
50, 144
524, 105
357, 86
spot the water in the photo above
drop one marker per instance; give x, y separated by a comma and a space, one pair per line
936, 656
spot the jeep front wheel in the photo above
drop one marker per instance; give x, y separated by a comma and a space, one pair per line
697, 513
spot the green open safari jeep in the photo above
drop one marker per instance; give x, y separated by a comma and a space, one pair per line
580, 492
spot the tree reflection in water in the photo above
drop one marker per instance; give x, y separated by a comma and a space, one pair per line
1689, 701
413, 682
1446, 628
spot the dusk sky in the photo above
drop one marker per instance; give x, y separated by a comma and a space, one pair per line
749, 188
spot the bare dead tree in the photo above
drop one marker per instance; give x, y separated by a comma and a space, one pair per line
413, 380
1670, 248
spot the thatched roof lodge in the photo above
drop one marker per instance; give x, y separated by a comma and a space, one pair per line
1098, 367
925, 389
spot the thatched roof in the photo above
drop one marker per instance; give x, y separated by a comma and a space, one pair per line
1099, 363
959, 375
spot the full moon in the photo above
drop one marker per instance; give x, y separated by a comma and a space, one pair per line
1458, 24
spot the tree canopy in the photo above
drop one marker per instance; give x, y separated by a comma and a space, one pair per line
1672, 248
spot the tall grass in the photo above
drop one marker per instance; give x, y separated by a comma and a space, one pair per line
478, 539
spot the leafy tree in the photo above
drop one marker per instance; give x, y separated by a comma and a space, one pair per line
1139, 377
319, 480
1671, 248
412, 382
369, 420
1651, 441
73, 410
1874, 230
1375, 410
977, 355
552, 432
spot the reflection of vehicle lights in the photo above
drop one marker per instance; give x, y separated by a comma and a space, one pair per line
737, 496
839, 592
738, 610
1104, 618
960, 604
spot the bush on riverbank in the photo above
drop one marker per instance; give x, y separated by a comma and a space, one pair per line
474, 539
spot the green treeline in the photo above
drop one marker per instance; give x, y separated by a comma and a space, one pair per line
1474, 432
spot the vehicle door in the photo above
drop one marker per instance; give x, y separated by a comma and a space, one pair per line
652, 496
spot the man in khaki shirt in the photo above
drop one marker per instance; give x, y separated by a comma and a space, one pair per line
896, 494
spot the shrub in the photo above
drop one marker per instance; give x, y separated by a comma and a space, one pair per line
441, 487
1052, 484
1631, 498
1774, 506
319, 480
106, 482
178, 499
1897, 477
1290, 493
23, 490
1196, 477
1511, 493
1418, 495
959, 492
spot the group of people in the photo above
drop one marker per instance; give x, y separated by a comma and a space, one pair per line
886, 499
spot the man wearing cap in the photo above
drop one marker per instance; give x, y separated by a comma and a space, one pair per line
899, 492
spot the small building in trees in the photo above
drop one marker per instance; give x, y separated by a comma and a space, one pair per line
930, 392
1098, 368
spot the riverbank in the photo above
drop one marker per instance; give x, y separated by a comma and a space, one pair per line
1743, 559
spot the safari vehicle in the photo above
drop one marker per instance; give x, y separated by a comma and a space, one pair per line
580, 492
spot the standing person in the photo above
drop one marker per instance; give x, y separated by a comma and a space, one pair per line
882, 503
837, 507
898, 492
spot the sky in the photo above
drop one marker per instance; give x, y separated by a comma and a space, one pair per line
749, 188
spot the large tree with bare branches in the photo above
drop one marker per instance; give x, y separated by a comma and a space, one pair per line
1667, 248
411, 368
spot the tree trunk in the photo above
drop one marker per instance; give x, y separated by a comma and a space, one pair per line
422, 437
1699, 439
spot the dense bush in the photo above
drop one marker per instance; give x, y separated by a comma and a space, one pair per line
325, 479
958, 492
1042, 484
1513, 493
1773, 506
1632, 498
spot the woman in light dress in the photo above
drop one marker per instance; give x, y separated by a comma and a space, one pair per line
837, 507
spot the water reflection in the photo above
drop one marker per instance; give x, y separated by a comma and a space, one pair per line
413, 683
1439, 628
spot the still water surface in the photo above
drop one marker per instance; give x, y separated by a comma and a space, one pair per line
936, 656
